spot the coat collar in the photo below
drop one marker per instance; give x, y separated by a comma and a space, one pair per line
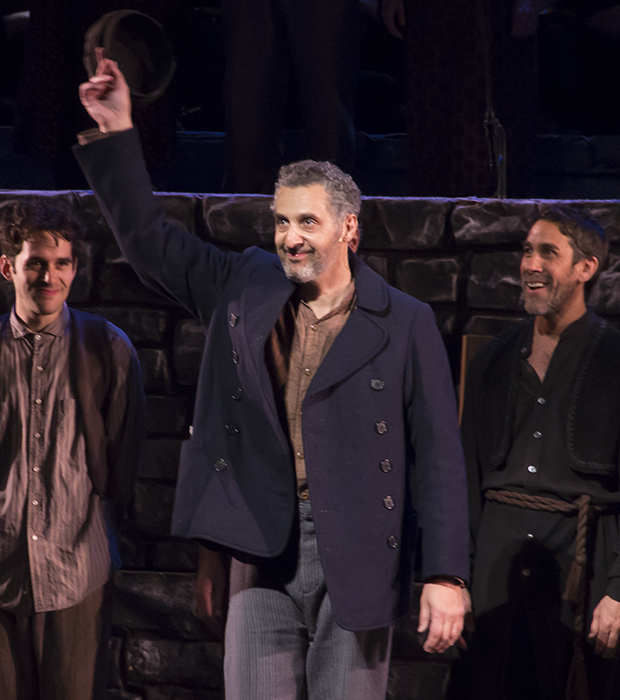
360, 339
371, 288
265, 297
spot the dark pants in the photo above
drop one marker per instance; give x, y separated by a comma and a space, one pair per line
269, 42
446, 46
55, 655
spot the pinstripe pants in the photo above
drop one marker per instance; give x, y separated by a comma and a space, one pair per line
282, 642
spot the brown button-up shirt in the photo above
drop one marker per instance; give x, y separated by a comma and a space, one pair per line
53, 542
299, 343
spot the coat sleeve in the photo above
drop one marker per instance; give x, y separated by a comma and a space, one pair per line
166, 257
125, 424
472, 457
439, 472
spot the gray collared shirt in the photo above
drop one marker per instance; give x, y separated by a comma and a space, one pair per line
53, 541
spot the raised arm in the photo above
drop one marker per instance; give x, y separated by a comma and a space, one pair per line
167, 258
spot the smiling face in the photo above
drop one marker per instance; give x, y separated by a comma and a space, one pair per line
311, 242
42, 274
551, 279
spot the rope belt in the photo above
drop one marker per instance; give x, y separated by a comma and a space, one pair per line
575, 590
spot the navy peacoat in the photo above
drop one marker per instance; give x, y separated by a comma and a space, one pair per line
380, 432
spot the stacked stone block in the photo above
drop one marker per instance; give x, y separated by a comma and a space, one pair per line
460, 256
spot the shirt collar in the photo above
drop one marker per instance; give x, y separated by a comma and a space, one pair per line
343, 306
583, 325
57, 327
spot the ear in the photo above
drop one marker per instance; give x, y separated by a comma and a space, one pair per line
6, 268
587, 269
348, 230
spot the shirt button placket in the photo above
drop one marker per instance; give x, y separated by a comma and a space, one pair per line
35, 509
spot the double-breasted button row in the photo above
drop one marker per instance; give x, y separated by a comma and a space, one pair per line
388, 502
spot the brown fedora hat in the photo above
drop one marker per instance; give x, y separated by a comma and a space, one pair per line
140, 47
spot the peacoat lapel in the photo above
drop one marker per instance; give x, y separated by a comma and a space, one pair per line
362, 336
264, 295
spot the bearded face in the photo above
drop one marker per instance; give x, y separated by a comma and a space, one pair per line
549, 279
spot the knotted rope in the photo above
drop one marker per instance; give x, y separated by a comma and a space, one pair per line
575, 590
575, 585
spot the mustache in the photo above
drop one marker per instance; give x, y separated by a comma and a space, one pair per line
536, 277
297, 249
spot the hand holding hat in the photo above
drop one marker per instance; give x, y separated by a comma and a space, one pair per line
140, 47
106, 96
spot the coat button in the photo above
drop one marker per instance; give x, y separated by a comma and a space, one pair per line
231, 429
392, 542
381, 427
235, 357
377, 384
385, 465
220, 465
232, 319
388, 502
236, 393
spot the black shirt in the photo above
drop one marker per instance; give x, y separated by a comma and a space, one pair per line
538, 458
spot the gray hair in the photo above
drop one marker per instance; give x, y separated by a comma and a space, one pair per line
344, 195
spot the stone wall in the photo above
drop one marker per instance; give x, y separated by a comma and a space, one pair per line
459, 256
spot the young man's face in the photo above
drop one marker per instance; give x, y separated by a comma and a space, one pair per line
309, 239
550, 278
42, 275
